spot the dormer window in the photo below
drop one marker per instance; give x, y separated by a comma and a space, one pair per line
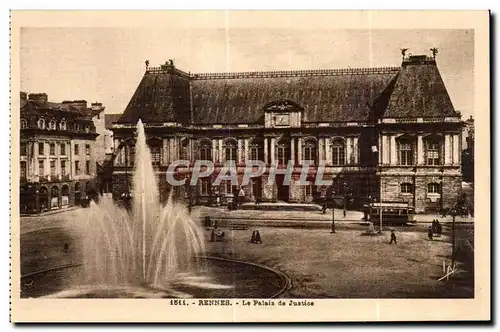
41, 124
52, 125
23, 124
62, 125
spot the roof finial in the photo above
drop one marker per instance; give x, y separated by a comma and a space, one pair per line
147, 64
403, 52
434, 52
171, 62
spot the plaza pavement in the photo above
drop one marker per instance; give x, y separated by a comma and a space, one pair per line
308, 219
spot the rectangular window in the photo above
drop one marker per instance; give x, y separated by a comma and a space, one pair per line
41, 167
77, 167
205, 186
433, 154
87, 149
433, 188
406, 154
41, 149
52, 168
156, 155
52, 149
309, 190
205, 154
230, 153
282, 155
77, 149
63, 149
254, 153
338, 155
23, 151
63, 167
229, 187
23, 170
87, 167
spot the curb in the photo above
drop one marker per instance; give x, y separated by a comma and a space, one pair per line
287, 281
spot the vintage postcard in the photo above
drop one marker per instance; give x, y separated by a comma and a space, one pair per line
250, 166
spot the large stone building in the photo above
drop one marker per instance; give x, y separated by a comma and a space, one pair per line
58, 152
381, 132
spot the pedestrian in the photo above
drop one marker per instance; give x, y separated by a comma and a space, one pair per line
66, 247
439, 228
252, 240
430, 233
212, 235
393, 237
324, 208
257, 237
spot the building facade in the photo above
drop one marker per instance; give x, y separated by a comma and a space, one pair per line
58, 154
387, 134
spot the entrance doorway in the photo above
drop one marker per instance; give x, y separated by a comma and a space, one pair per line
283, 190
257, 189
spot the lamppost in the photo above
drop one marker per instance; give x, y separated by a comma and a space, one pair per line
344, 189
333, 211
454, 211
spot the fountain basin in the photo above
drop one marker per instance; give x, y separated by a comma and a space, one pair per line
220, 278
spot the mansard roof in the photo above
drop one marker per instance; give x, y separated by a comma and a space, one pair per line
166, 94
419, 91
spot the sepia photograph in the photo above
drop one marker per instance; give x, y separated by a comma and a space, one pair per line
219, 163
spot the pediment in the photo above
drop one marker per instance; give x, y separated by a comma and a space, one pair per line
283, 106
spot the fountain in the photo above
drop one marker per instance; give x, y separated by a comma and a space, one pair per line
154, 250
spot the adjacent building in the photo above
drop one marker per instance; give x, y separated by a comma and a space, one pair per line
388, 133
58, 152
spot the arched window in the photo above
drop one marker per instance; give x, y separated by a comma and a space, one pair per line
433, 152
23, 124
406, 188
41, 123
62, 125
406, 152
52, 125
338, 152
205, 149
309, 151
433, 188
283, 151
256, 150
230, 150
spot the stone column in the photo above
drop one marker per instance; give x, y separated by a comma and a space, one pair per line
166, 158
328, 148
380, 149
240, 151
221, 151
321, 155
273, 150
420, 151
447, 149
355, 149
215, 155
394, 154
348, 147
246, 153
292, 149
385, 150
456, 150
171, 149
266, 154
299, 150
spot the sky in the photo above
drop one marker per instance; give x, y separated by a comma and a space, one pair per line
106, 64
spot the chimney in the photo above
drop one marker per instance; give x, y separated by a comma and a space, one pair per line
419, 60
76, 103
39, 97
97, 107
24, 95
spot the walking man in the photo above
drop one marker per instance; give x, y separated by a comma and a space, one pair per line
393, 238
